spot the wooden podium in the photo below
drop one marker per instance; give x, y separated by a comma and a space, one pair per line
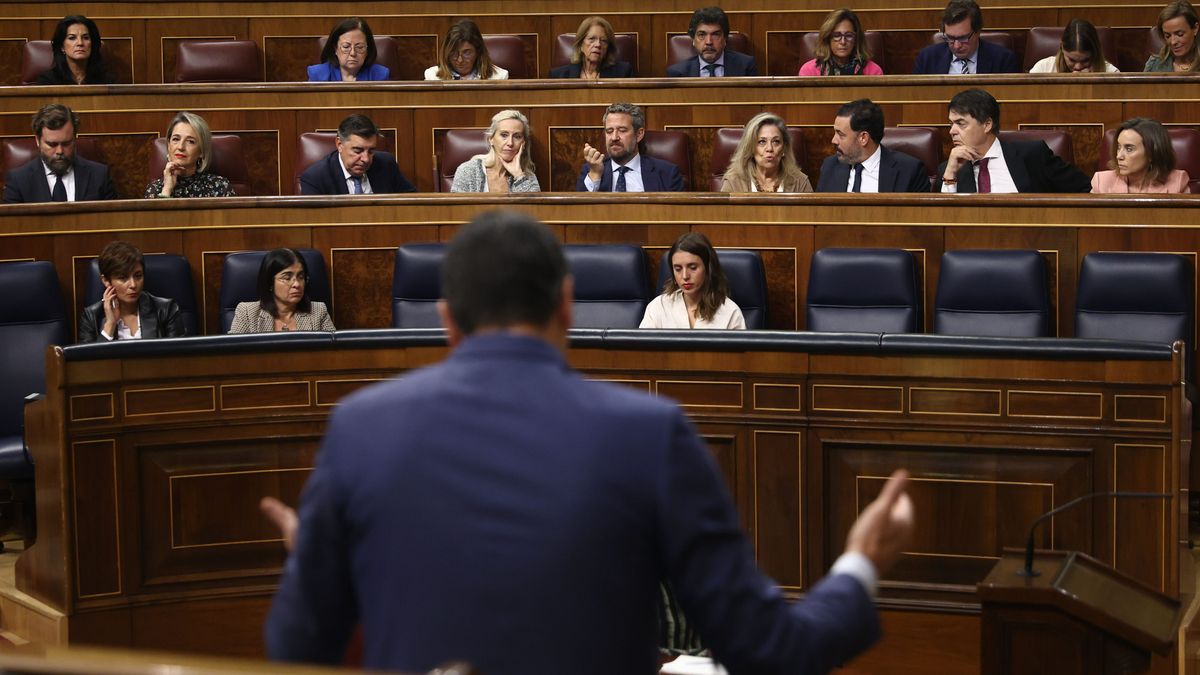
1077, 615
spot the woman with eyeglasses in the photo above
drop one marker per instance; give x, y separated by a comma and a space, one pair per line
841, 48
349, 55
126, 311
464, 56
594, 54
1178, 25
283, 303
1079, 52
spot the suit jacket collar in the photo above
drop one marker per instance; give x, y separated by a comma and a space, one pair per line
887, 171
333, 164
652, 180
146, 314
1016, 169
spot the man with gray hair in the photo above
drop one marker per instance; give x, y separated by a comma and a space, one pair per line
624, 128
355, 167
58, 174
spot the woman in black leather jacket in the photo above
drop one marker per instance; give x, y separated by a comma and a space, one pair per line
126, 312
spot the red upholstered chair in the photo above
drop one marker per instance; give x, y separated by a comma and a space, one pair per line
315, 145
1043, 41
37, 58
229, 160
808, 47
218, 61
920, 142
508, 52
1185, 142
387, 53
1058, 140
1154, 41
671, 146
626, 47
726, 143
456, 147
679, 47
996, 37
17, 151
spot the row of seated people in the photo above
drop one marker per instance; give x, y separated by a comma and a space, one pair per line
764, 156
352, 52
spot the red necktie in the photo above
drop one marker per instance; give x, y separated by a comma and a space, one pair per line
985, 176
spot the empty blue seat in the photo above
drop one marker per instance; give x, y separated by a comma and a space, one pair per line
1135, 296
417, 285
239, 279
167, 276
868, 290
610, 284
998, 293
747, 279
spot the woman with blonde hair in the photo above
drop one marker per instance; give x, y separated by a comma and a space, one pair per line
594, 53
841, 48
465, 56
189, 156
763, 160
508, 164
1079, 52
1178, 24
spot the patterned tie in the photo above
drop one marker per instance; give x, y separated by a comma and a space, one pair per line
621, 171
858, 168
60, 191
357, 184
985, 176
711, 69
966, 66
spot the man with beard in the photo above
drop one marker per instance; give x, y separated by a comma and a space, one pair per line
860, 163
58, 175
624, 127
355, 167
709, 30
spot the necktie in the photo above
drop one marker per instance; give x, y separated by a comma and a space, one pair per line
985, 176
857, 178
357, 184
966, 63
711, 69
621, 171
60, 191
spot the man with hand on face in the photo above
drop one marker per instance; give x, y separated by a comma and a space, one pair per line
58, 175
860, 163
355, 167
709, 31
624, 127
960, 51
981, 162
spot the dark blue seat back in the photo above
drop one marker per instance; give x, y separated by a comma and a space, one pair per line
610, 284
417, 285
1135, 296
239, 278
32, 317
747, 283
869, 290
167, 276
992, 293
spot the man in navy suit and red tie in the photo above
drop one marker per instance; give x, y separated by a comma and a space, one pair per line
58, 174
709, 31
624, 128
960, 51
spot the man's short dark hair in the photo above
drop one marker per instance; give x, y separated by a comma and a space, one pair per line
978, 104
865, 115
957, 10
54, 116
357, 125
503, 269
712, 15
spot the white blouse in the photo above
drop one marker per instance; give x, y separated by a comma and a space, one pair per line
670, 311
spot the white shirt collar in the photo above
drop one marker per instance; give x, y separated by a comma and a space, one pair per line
719, 62
871, 164
634, 163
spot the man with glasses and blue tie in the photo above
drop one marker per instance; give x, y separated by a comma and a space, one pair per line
355, 167
624, 127
959, 50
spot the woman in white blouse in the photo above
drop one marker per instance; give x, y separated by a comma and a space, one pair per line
763, 160
696, 294
1079, 52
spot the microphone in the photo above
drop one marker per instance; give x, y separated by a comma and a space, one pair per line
1028, 570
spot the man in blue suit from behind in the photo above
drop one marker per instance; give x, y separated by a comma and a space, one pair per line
960, 51
501, 509
624, 129
709, 30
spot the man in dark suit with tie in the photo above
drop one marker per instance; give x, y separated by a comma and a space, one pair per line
58, 174
624, 128
709, 31
501, 509
860, 163
960, 51
355, 166
981, 162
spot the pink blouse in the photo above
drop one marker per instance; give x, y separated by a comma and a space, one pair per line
810, 68
1109, 182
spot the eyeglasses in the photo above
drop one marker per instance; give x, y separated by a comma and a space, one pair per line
842, 37
465, 55
287, 278
960, 39
348, 48
592, 39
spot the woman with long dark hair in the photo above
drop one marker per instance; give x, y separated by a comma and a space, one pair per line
77, 58
696, 294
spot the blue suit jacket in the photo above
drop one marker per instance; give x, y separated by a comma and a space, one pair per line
27, 183
935, 60
898, 172
326, 178
501, 509
330, 72
658, 175
737, 64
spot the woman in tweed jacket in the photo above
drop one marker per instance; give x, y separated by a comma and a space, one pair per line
283, 303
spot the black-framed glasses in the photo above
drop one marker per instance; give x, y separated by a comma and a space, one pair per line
960, 39
842, 37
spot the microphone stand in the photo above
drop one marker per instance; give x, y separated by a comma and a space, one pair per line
1028, 570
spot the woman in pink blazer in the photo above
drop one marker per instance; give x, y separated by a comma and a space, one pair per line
841, 48
1142, 161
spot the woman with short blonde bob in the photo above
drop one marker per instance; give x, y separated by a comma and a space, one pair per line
189, 156
1142, 161
508, 164
465, 56
1079, 52
763, 160
594, 54
841, 48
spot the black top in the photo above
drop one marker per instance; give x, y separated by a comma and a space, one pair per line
197, 185
52, 76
